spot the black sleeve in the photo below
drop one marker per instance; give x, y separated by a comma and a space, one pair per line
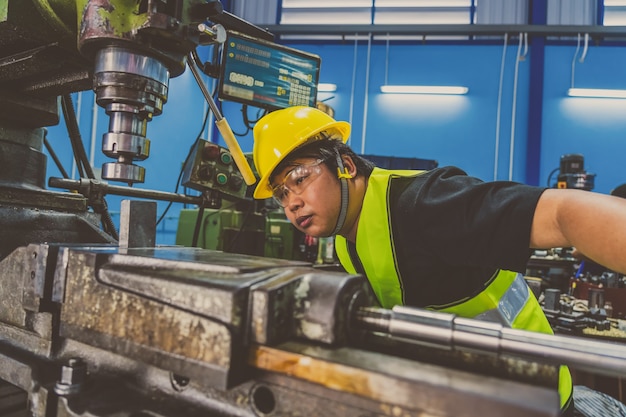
461, 221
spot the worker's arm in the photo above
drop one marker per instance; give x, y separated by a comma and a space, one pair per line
595, 224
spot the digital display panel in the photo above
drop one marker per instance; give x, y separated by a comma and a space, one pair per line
267, 75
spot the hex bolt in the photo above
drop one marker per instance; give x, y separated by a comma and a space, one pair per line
73, 376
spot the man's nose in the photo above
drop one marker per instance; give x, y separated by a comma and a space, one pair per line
294, 201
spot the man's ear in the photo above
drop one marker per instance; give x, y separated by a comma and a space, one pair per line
349, 166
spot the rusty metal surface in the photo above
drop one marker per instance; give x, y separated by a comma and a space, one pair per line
182, 309
404, 386
25, 325
142, 329
23, 283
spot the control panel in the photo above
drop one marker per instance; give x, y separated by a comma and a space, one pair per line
211, 167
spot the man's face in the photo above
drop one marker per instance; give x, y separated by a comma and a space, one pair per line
310, 195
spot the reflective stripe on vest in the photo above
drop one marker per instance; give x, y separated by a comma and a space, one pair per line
506, 299
503, 302
510, 305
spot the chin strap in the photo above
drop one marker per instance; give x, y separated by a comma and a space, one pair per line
343, 175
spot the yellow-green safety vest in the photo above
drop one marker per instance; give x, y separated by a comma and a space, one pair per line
506, 299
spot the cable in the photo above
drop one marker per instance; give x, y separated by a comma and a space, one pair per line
196, 229
53, 155
180, 175
574, 61
551, 174
99, 203
74, 132
182, 170
79, 165
387, 59
249, 124
204, 122
366, 99
499, 107
585, 48
196, 59
244, 111
514, 109
353, 86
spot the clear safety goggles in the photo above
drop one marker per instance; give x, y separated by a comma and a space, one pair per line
296, 181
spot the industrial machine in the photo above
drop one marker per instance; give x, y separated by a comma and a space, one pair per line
572, 173
563, 275
96, 323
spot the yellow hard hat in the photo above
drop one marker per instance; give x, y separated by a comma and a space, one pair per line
282, 131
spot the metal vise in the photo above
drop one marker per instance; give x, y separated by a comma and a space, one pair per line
102, 330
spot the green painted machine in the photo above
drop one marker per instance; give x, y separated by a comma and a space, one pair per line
252, 233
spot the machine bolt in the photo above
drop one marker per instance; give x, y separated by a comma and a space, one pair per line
73, 376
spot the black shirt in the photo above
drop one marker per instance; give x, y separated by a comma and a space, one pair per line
452, 232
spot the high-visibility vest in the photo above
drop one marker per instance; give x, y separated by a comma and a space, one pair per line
506, 299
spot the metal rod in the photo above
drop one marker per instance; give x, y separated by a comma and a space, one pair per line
448, 331
224, 128
205, 91
451, 30
85, 187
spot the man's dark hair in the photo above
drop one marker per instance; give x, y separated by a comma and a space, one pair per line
326, 149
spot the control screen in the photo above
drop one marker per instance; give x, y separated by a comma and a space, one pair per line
267, 75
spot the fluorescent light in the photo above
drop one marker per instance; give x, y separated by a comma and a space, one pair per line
423, 89
596, 92
326, 88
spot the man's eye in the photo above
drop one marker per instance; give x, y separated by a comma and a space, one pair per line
282, 193
300, 179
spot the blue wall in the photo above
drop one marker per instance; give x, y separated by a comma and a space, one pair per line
465, 131
594, 127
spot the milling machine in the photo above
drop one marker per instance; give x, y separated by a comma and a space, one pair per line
93, 324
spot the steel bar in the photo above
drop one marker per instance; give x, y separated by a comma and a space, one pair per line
451, 332
125, 191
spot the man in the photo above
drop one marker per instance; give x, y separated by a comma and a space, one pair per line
438, 239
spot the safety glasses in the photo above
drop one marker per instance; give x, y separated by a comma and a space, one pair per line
296, 181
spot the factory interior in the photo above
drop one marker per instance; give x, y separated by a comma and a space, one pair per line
140, 278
